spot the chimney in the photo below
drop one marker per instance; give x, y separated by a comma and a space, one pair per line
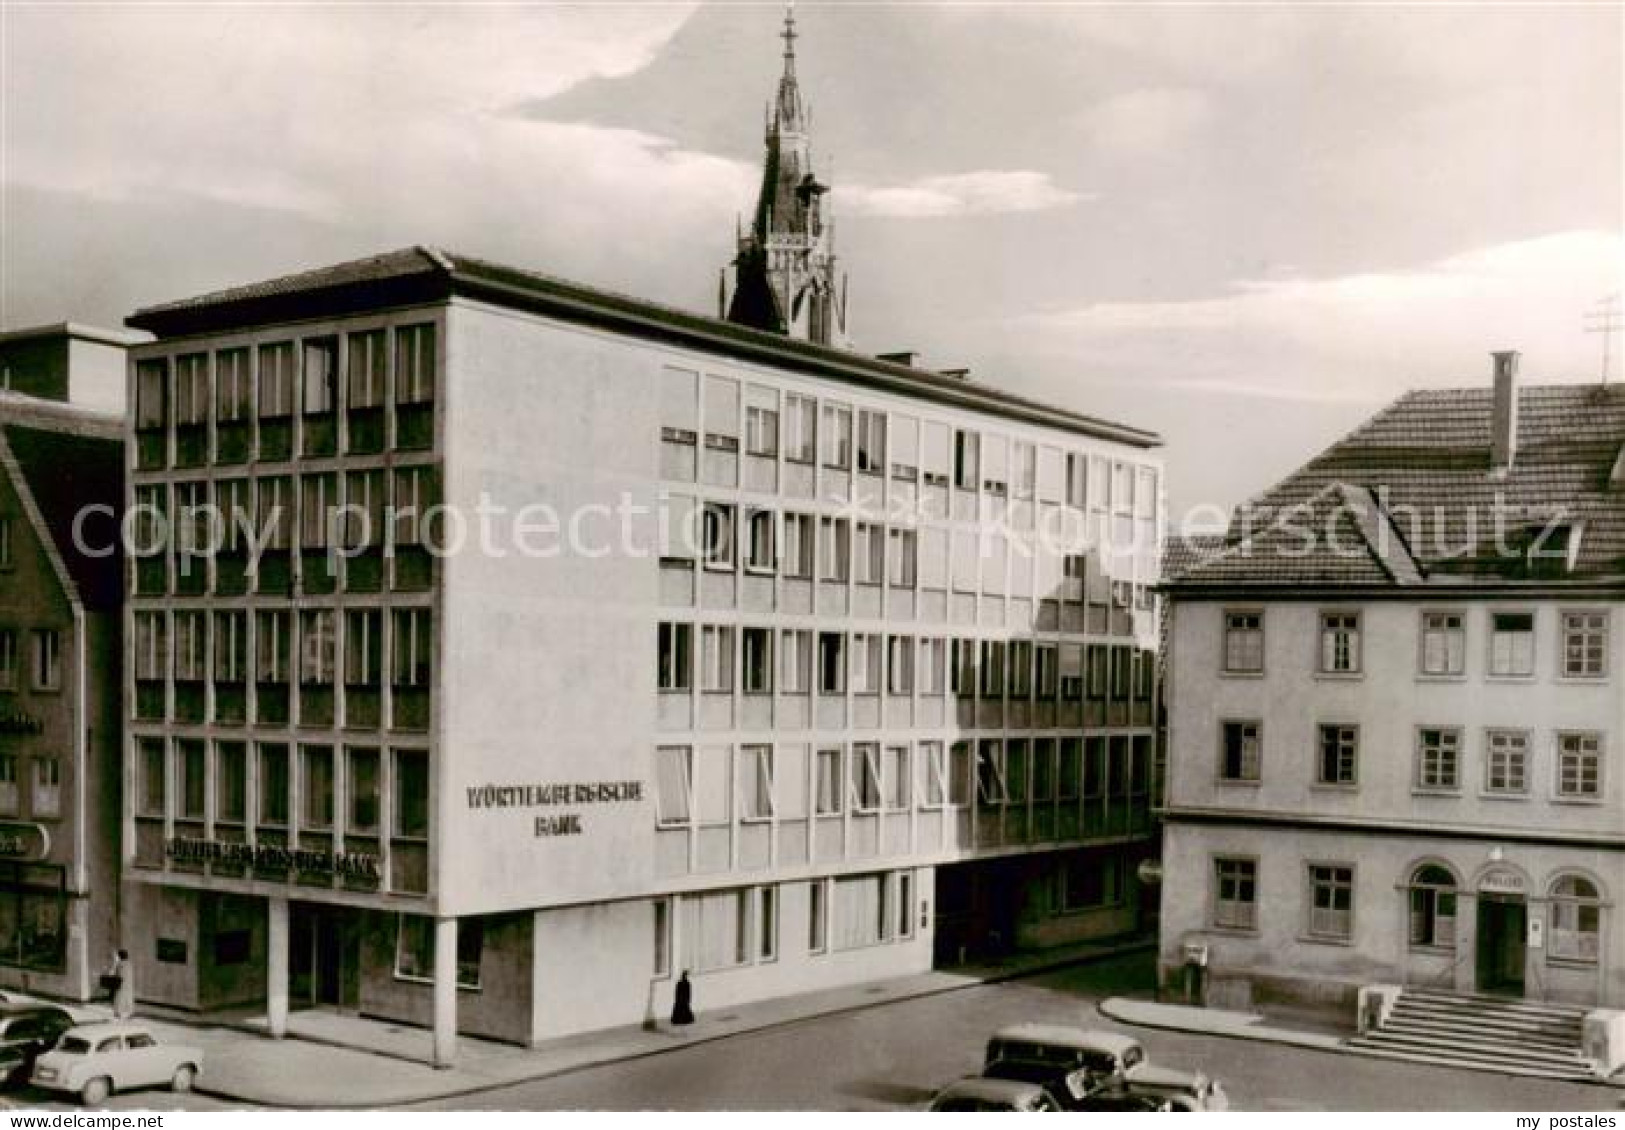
1504, 413
957, 374
900, 357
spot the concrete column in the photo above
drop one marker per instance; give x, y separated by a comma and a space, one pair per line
445, 991
276, 966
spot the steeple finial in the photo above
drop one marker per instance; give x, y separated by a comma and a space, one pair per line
789, 37
788, 112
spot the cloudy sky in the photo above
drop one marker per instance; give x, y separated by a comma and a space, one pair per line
1245, 226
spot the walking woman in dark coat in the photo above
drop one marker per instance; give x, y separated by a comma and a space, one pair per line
682, 1007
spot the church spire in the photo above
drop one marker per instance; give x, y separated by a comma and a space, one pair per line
785, 277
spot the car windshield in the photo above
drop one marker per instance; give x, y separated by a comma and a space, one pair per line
1024, 1071
74, 1045
958, 1103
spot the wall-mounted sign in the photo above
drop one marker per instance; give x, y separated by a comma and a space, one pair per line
266, 857
1502, 881
17, 722
553, 795
27, 842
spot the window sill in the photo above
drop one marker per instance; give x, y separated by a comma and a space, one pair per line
1336, 786
1318, 940
1583, 680
758, 570
1504, 794
1582, 801
410, 979
1494, 678
1228, 674
720, 567
1432, 951
1441, 677
1339, 676
1235, 782
1425, 790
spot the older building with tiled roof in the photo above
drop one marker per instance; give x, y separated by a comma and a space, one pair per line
1397, 713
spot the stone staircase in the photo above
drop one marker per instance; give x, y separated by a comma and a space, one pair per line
1513, 1037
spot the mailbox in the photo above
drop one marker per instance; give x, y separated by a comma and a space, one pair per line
1195, 953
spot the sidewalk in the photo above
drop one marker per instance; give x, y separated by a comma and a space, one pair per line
332, 1061
1214, 1022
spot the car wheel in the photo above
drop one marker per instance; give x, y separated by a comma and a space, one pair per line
95, 1092
184, 1075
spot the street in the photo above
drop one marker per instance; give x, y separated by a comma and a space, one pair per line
895, 1056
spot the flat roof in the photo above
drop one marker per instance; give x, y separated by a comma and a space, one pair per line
419, 275
77, 330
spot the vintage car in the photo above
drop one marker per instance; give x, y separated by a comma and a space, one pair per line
978, 1093
94, 1060
27, 1031
1087, 1069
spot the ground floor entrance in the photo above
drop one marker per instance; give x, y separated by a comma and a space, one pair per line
1503, 924
324, 957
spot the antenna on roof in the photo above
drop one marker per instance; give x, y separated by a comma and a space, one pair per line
1604, 319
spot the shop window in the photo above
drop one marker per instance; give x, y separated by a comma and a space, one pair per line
414, 949
33, 925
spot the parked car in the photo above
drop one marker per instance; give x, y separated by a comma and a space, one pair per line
95, 1060
1086, 1069
27, 1030
978, 1093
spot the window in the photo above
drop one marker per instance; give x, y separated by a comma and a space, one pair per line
230, 783
414, 364
1339, 750
1339, 642
798, 545
675, 656
151, 786
898, 782
45, 803
276, 380
761, 431
413, 643
1512, 643
1438, 758
1048, 668
862, 906
767, 923
828, 782
990, 785
756, 782
717, 659
316, 647
903, 548
866, 663
189, 779
1077, 479
361, 790
1433, 907
191, 646
192, 389
992, 668
716, 928
871, 553
757, 644
363, 510
833, 548
230, 647
6, 561
800, 427
1088, 881
274, 512
1235, 900
900, 665
837, 450
273, 785
662, 937
717, 536
865, 777
1243, 642
10, 795
1585, 645
151, 646
905, 449
1069, 777
1024, 468
414, 949
320, 376
316, 787
831, 663
933, 665
47, 660
935, 774
795, 661
1579, 766
1444, 643
368, 361
272, 644
1576, 919
817, 917
759, 549
1239, 751
1506, 762
673, 777
411, 788
8, 658
872, 442
1331, 901
151, 395
363, 647
1071, 672
966, 461
1021, 668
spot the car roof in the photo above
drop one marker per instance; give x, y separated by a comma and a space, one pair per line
991, 1090
1157, 1075
102, 1029
30, 1008
1063, 1036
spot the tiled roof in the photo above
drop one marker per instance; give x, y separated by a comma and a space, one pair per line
1416, 487
1180, 554
420, 275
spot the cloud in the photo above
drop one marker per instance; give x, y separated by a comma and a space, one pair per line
1367, 335
982, 193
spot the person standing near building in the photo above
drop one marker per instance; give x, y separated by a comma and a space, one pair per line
682, 1008
120, 985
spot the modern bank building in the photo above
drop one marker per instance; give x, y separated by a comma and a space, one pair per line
893, 704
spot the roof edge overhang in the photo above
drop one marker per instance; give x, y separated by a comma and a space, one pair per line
442, 276
1604, 587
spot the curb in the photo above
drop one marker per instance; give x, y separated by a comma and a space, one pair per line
586, 1065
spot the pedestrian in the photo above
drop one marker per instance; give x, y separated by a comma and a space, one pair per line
120, 985
682, 1008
